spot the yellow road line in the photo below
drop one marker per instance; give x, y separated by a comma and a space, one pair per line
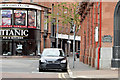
63, 75
59, 75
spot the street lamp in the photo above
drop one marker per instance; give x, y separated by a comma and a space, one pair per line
73, 28
74, 47
57, 31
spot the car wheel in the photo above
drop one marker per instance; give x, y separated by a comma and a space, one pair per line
40, 69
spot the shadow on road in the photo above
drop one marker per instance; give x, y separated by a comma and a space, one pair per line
53, 70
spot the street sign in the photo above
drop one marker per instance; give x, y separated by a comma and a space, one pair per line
107, 38
96, 34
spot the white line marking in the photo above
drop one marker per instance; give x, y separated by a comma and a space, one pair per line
16, 72
70, 72
45, 72
37, 68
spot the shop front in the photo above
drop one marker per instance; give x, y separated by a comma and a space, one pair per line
20, 29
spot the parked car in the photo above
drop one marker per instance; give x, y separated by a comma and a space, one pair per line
78, 53
53, 58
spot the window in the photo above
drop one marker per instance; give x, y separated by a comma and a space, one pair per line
6, 0
45, 20
20, 18
38, 19
6, 18
53, 27
52, 8
19, 0
31, 19
0, 17
31, 0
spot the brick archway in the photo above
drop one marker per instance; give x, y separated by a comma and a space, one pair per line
116, 46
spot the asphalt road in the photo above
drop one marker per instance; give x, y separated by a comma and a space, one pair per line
28, 68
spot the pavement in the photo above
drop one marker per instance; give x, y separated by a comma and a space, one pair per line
85, 71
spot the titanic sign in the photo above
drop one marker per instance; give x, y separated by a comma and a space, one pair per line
13, 33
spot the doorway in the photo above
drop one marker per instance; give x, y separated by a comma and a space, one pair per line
116, 46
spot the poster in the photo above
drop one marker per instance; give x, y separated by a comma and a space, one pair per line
31, 19
38, 19
20, 17
6, 21
6, 17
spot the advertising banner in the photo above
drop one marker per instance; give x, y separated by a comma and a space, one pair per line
31, 19
6, 18
38, 19
20, 18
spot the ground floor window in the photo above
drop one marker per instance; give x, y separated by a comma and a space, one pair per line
19, 47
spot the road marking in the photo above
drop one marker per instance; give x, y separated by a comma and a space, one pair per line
70, 72
37, 68
82, 76
15, 72
45, 72
59, 75
63, 75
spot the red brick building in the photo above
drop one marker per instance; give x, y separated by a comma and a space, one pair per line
100, 34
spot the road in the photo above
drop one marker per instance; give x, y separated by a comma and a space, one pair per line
28, 68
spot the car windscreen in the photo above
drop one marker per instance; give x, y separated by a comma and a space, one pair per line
53, 53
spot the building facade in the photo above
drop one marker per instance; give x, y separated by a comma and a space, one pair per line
65, 37
24, 29
100, 34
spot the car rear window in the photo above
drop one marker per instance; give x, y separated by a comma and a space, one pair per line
52, 53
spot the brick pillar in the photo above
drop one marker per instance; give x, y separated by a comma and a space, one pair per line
42, 30
93, 45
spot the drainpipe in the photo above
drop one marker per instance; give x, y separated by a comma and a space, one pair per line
99, 36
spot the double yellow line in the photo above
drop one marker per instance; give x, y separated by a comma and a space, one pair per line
62, 76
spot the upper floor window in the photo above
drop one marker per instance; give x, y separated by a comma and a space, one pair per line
20, 18
5, 0
45, 20
53, 27
6, 17
38, 19
0, 17
52, 8
31, 19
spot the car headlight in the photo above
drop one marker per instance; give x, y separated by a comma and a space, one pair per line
63, 61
